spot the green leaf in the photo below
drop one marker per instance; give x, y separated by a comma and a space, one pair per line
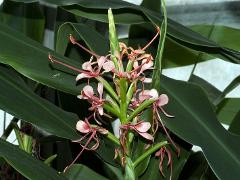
212, 92
158, 59
235, 125
197, 168
95, 41
20, 17
154, 5
197, 124
27, 165
228, 109
153, 171
49, 160
42, 70
97, 8
17, 99
81, 172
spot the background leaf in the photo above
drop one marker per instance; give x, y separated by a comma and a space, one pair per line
79, 171
20, 16
27, 165
18, 100
196, 123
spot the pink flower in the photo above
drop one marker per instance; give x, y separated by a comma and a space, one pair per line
97, 102
93, 69
91, 131
141, 128
146, 63
142, 96
161, 101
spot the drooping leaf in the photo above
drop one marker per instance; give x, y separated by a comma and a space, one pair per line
81, 172
27, 165
197, 124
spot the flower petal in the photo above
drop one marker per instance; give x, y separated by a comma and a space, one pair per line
154, 94
101, 61
100, 110
88, 91
82, 75
147, 136
162, 100
100, 90
108, 66
146, 66
142, 127
82, 127
87, 66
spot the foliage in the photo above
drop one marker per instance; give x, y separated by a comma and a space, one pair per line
38, 87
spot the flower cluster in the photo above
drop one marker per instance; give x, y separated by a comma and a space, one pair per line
126, 101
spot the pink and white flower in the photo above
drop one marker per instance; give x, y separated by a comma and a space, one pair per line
97, 102
140, 128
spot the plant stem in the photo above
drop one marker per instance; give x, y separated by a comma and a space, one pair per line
111, 109
108, 87
113, 138
123, 101
139, 109
149, 152
129, 170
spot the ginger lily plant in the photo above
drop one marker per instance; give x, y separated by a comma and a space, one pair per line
154, 118
125, 99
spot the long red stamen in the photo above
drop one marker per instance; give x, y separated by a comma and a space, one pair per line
165, 130
73, 41
53, 60
148, 44
148, 59
83, 148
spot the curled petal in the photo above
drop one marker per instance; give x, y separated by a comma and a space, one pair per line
101, 61
144, 95
100, 90
80, 96
87, 66
147, 66
147, 136
148, 94
100, 110
142, 127
154, 94
88, 91
162, 100
82, 75
108, 66
83, 127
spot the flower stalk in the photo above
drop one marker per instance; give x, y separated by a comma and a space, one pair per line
126, 101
